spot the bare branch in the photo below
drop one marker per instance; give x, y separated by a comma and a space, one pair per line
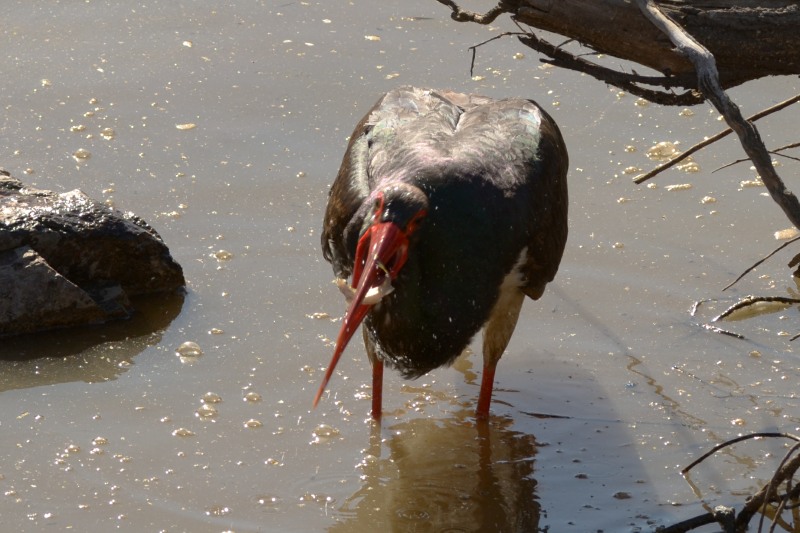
762, 497
717, 329
474, 48
776, 151
463, 15
786, 469
714, 138
708, 81
690, 524
727, 443
776, 250
627, 82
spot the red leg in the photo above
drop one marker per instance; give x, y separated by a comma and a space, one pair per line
485, 398
496, 335
377, 388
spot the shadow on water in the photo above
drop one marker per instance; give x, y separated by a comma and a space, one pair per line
445, 475
89, 354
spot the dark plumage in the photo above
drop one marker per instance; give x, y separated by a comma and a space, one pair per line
457, 204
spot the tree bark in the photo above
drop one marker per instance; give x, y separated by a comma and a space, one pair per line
749, 39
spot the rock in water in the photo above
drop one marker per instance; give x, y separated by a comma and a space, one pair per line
68, 260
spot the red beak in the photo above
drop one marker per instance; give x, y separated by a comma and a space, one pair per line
381, 252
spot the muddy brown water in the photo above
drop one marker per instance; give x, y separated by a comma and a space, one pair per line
608, 388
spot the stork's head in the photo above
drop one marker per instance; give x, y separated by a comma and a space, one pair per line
391, 215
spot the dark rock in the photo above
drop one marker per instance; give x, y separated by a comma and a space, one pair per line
32, 293
66, 259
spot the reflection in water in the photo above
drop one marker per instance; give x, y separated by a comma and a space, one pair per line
89, 354
445, 476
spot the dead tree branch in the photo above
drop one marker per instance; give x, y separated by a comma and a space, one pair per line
463, 15
627, 82
749, 39
776, 151
708, 81
725, 516
754, 265
714, 138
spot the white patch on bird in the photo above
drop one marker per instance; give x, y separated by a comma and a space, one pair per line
515, 277
503, 318
373, 296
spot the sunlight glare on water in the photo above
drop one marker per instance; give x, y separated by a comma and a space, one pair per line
229, 124
662, 151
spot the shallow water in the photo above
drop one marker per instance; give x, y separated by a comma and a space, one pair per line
608, 388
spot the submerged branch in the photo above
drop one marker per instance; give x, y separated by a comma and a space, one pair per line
747, 301
758, 502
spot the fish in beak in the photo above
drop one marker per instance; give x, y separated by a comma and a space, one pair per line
381, 252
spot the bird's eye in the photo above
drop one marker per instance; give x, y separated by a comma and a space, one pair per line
415, 222
377, 206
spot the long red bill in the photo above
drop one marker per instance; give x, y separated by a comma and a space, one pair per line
380, 254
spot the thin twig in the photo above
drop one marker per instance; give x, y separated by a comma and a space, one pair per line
776, 250
474, 48
759, 500
776, 151
695, 307
714, 138
463, 15
741, 438
721, 331
773, 487
793, 145
627, 82
689, 524
793, 158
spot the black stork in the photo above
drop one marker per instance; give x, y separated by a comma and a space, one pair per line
447, 211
